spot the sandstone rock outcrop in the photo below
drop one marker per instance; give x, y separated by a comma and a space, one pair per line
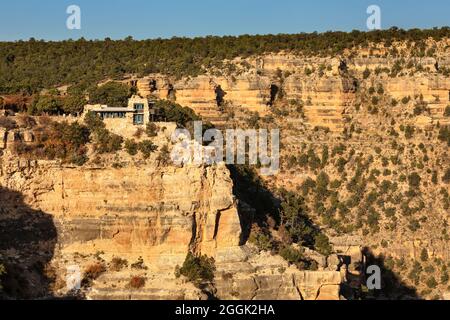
157, 215
325, 94
135, 211
248, 276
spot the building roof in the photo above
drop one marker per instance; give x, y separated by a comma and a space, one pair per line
113, 109
104, 108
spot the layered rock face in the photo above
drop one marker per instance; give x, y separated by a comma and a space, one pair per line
257, 88
325, 87
242, 274
247, 276
203, 93
156, 215
207, 95
325, 98
134, 211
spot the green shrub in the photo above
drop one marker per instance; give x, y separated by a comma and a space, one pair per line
73, 104
291, 255
424, 255
107, 142
198, 269
414, 225
430, 269
139, 264
444, 134
375, 100
414, 180
147, 147
373, 219
131, 147
262, 240
431, 283
118, 264
112, 94
294, 219
340, 164
164, 156
394, 102
46, 104
446, 177
314, 161
173, 112
339, 149
325, 156
307, 185
447, 111
405, 100
434, 177
151, 130
420, 108
322, 244
93, 121
335, 184
253, 120
63, 141
409, 131
444, 277
414, 274
322, 183
103, 140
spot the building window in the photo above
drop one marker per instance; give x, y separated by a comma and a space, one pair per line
138, 119
139, 106
112, 115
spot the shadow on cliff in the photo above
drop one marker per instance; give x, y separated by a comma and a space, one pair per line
255, 201
257, 204
27, 242
392, 287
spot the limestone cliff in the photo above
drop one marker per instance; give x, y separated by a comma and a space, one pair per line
324, 87
155, 215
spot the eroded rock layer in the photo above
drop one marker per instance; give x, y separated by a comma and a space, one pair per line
156, 215
325, 87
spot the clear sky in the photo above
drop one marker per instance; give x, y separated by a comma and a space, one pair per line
142, 19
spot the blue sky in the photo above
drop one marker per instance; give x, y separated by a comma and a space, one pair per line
142, 19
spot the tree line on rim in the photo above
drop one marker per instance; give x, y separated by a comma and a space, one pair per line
30, 66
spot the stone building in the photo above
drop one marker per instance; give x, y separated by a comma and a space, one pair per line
138, 112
